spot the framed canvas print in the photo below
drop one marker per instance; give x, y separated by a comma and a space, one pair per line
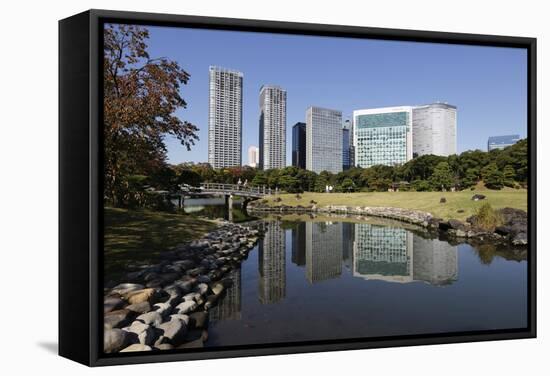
236, 187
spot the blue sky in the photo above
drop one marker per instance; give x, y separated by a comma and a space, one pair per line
487, 84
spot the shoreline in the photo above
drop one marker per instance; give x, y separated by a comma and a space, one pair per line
513, 231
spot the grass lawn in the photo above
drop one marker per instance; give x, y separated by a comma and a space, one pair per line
140, 236
424, 201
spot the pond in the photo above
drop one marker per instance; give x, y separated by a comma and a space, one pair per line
318, 279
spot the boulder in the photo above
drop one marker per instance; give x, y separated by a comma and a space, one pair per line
139, 308
144, 295
182, 317
163, 308
198, 320
520, 239
163, 346
112, 303
136, 347
114, 340
118, 318
174, 331
150, 318
211, 301
125, 288
478, 197
186, 306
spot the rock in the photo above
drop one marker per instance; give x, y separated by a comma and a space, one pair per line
211, 301
460, 233
137, 327
184, 286
186, 306
192, 296
217, 288
478, 197
203, 279
174, 331
442, 200
112, 303
503, 230
150, 318
125, 288
460, 211
202, 288
164, 346
114, 340
163, 308
520, 239
136, 347
198, 320
118, 318
182, 317
139, 308
145, 333
144, 295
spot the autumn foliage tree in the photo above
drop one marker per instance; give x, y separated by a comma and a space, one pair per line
141, 96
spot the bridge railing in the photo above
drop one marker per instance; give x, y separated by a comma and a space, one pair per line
220, 187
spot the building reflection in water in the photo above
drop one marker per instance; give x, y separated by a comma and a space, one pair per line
383, 253
229, 308
271, 264
299, 244
397, 255
435, 261
348, 239
323, 251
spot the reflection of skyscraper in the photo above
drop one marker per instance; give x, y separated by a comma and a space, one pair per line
348, 237
299, 244
383, 253
323, 251
272, 268
435, 261
229, 308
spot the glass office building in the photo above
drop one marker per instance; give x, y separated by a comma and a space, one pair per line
347, 141
272, 127
299, 145
323, 140
501, 142
382, 136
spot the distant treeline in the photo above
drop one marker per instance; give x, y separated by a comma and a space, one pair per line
497, 169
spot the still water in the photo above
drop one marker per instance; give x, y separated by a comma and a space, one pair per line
322, 279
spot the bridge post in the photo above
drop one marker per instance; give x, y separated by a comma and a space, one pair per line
229, 206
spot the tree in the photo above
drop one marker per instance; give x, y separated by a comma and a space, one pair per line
141, 95
509, 175
470, 178
421, 185
492, 176
347, 185
442, 177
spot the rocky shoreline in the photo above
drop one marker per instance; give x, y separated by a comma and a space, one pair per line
513, 229
166, 305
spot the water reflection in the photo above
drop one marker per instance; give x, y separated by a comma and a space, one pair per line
271, 264
229, 308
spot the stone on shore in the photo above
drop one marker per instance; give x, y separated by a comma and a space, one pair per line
198, 320
139, 308
186, 306
118, 318
144, 295
112, 303
150, 318
136, 347
125, 288
174, 331
114, 340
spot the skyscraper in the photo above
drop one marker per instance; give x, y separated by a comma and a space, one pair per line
434, 129
382, 136
299, 145
501, 142
253, 156
347, 145
225, 118
272, 127
323, 140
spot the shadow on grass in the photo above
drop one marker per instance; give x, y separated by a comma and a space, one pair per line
140, 236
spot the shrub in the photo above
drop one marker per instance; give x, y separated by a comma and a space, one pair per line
278, 199
313, 202
298, 197
487, 218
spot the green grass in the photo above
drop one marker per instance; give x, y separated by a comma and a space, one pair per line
134, 236
423, 201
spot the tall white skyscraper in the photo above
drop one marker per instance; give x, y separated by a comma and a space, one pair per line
272, 127
434, 129
225, 117
323, 140
382, 136
253, 156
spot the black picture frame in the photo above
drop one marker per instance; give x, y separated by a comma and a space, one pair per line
80, 169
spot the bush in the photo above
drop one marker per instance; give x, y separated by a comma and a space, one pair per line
487, 218
278, 199
298, 197
313, 202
